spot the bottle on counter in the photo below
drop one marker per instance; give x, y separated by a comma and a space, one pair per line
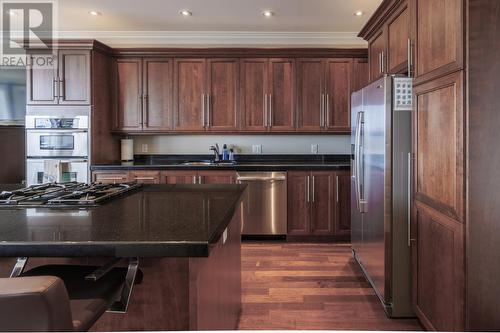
225, 153
231, 154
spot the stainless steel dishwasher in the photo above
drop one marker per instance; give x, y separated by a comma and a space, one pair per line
264, 207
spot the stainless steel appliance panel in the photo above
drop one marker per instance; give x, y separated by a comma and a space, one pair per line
356, 216
57, 143
57, 122
264, 207
70, 170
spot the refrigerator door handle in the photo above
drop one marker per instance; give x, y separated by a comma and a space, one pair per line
410, 167
356, 159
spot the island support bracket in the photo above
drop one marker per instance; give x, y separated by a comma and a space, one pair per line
121, 305
19, 267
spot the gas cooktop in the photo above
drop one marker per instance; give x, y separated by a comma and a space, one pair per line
64, 194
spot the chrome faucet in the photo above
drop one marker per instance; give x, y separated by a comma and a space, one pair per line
216, 150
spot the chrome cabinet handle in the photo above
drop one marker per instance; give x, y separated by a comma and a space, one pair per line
337, 190
308, 189
200, 180
62, 95
111, 178
380, 63
327, 122
264, 109
270, 124
194, 179
144, 178
203, 120
382, 60
410, 58
322, 111
208, 110
264, 179
313, 189
56, 89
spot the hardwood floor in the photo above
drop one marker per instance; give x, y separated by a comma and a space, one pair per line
309, 286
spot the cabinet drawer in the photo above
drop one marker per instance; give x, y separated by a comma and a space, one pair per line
110, 177
145, 177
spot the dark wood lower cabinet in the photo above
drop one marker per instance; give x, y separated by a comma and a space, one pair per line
438, 270
319, 205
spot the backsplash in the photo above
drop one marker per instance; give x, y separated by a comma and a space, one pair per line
270, 144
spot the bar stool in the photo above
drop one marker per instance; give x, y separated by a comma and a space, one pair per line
65, 297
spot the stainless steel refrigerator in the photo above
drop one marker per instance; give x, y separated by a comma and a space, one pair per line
380, 185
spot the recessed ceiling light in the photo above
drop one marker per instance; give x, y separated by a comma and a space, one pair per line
186, 12
94, 13
358, 13
268, 13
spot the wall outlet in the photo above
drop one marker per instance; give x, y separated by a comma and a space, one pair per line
314, 149
257, 149
144, 148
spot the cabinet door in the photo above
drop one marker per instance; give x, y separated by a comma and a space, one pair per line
110, 177
376, 55
343, 203
179, 177
41, 82
253, 90
398, 33
158, 94
322, 203
299, 203
190, 101
338, 95
311, 94
145, 177
217, 177
439, 37
281, 111
439, 145
222, 105
438, 270
74, 77
128, 95
360, 74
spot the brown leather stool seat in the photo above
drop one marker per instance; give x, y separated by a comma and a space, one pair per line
88, 299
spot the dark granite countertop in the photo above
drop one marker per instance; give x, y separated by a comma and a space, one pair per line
243, 163
156, 221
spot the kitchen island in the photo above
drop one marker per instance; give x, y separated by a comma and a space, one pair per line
186, 237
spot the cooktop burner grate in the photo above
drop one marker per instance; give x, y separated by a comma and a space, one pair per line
64, 194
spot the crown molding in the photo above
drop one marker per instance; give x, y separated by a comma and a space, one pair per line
218, 38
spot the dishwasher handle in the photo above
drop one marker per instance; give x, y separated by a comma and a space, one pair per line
261, 179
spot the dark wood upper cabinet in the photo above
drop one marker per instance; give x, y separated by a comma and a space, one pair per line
158, 84
311, 94
361, 73
438, 38
74, 77
281, 110
190, 95
128, 95
253, 93
377, 55
67, 82
222, 92
322, 203
398, 34
338, 95
439, 145
42, 85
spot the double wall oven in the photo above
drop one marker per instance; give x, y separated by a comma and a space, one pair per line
57, 144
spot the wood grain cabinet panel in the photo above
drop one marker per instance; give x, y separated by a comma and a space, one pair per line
189, 98
158, 94
299, 209
439, 145
145, 177
361, 74
338, 95
439, 38
398, 33
41, 84
343, 204
254, 75
322, 203
281, 110
311, 94
222, 93
110, 177
128, 95
179, 177
74, 77
438, 270
376, 55
217, 177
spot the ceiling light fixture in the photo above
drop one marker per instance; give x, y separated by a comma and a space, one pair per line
185, 12
94, 13
268, 13
358, 13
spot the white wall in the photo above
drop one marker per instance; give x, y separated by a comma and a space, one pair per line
271, 144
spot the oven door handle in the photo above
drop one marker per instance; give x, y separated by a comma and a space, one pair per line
261, 179
56, 131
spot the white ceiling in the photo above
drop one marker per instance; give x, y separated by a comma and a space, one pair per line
216, 22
